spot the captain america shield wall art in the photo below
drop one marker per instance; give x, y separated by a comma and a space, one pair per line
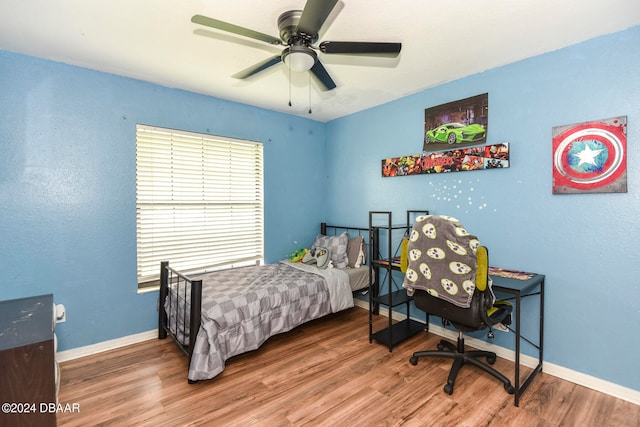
590, 157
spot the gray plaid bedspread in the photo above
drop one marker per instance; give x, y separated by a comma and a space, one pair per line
243, 307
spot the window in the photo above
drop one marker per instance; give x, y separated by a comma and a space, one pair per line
199, 202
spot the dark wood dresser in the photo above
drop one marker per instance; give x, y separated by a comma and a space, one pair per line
27, 362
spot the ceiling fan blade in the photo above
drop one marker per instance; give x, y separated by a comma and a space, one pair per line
225, 26
314, 14
361, 48
322, 74
260, 66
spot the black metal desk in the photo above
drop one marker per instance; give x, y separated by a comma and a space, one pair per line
521, 289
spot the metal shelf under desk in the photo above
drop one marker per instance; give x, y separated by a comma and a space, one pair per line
397, 332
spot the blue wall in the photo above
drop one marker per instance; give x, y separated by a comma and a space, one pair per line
67, 189
586, 244
67, 186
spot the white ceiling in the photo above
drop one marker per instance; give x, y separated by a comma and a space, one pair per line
154, 40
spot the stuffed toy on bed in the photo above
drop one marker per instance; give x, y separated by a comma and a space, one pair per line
319, 256
316, 255
297, 255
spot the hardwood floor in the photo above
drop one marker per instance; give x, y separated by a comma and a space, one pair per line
322, 373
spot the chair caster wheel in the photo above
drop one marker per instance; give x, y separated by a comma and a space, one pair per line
491, 360
413, 360
509, 388
448, 388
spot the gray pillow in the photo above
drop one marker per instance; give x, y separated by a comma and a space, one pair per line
337, 246
354, 246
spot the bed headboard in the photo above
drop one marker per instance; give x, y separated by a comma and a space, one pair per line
334, 230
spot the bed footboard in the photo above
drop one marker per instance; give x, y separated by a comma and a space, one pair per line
180, 300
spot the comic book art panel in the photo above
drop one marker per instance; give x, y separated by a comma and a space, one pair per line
459, 123
464, 159
590, 157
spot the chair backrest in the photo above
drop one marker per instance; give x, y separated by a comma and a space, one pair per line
447, 269
442, 259
404, 260
482, 271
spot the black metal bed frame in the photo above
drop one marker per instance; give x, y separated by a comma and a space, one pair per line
334, 230
170, 276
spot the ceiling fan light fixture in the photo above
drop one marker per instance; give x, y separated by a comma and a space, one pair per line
299, 58
299, 30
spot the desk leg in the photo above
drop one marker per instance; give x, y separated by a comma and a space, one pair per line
541, 323
517, 296
517, 367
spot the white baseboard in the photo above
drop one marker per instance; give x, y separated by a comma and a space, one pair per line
606, 387
74, 353
567, 374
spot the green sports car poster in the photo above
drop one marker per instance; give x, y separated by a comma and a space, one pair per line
456, 124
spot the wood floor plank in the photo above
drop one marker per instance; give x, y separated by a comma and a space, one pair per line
324, 372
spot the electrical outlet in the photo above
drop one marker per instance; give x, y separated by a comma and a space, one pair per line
61, 313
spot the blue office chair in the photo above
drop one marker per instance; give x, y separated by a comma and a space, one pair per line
447, 272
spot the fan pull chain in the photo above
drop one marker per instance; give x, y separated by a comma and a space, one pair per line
289, 87
309, 80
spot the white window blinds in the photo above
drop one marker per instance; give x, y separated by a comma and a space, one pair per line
199, 201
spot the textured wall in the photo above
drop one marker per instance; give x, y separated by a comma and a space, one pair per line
586, 244
67, 186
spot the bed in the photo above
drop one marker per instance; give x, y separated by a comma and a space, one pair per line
236, 310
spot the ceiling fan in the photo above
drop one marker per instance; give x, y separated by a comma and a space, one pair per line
299, 31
